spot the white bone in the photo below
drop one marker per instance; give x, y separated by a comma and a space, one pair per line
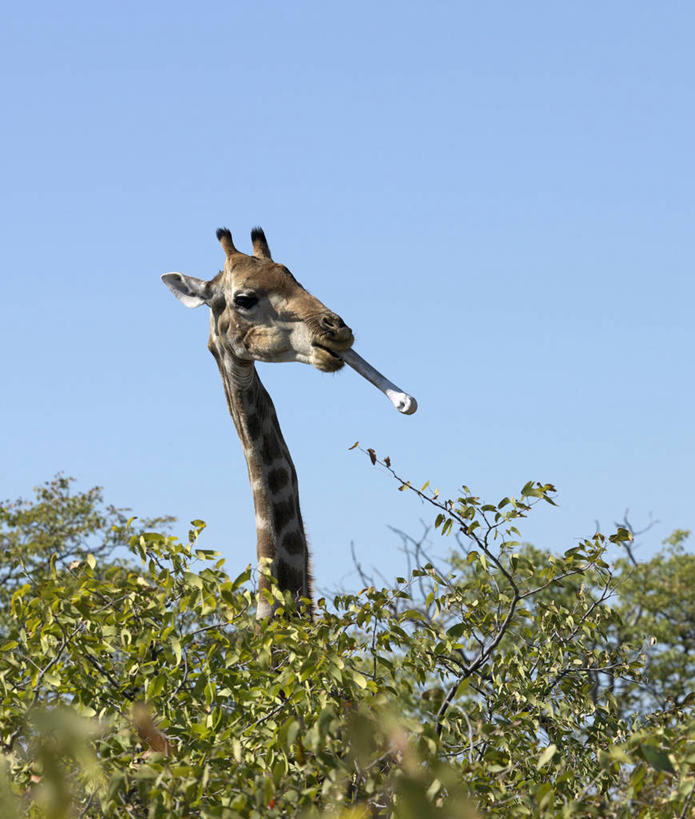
401, 400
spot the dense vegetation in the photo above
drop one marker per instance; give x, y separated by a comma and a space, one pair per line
507, 681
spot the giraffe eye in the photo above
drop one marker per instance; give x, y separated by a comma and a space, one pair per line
246, 302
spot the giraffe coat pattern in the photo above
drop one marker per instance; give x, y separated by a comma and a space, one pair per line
260, 312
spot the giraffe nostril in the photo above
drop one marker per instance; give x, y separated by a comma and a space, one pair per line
334, 327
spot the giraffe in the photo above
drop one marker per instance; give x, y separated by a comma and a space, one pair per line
260, 312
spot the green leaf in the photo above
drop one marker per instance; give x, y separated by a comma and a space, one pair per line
546, 756
621, 536
156, 686
236, 749
176, 648
413, 614
359, 679
657, 758
192, 579
206, 554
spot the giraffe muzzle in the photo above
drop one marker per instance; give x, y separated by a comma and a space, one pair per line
334, 333
332, 324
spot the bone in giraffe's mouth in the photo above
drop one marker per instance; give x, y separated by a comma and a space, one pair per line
401, 400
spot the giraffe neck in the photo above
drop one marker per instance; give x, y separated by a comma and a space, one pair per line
281, 542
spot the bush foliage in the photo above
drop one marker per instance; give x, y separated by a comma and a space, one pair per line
506, 681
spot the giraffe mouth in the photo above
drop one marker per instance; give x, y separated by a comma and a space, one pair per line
325, 359
325, 349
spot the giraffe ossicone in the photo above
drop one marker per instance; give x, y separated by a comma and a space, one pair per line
260, 312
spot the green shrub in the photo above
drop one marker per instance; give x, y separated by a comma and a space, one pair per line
509, 681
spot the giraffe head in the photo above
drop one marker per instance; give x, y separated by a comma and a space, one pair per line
260, 312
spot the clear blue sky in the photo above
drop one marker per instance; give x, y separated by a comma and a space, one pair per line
499, 198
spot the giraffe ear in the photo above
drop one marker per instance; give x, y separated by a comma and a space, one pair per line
190, 291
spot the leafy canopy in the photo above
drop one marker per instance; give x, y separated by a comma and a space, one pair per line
505, 681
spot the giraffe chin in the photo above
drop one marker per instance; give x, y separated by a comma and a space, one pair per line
325, 360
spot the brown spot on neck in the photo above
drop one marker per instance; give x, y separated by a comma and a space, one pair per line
278, 479
293, 542
270, 447
253, 426
283, 513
